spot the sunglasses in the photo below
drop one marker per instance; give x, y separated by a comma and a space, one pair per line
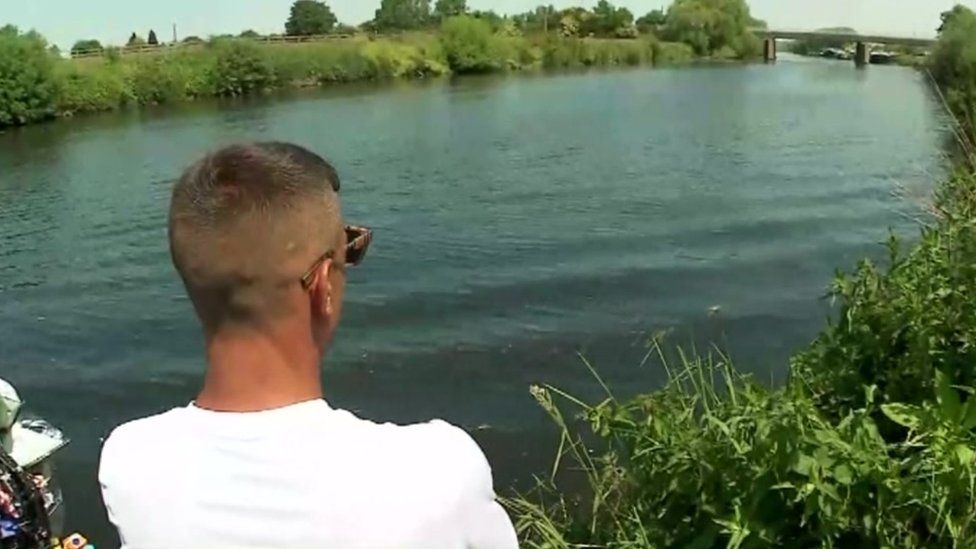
358, 240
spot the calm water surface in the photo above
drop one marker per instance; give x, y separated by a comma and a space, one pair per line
519, 221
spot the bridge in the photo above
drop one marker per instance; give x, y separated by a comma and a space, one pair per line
862, 54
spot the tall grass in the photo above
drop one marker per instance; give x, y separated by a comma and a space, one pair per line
716, 460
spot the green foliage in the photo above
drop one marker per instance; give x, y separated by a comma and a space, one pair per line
250, 34
152, 41
947, 16
541, 19
709, 26
897, 328
450, 8
673, 53
229, 66
242, 67
93, 88
468, 44
86, 46
402, 14
652, 22
953, 66
28, 87
310, 17
495, 22
606, 20
714, 460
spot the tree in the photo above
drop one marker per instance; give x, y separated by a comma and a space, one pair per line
135, 40
86, 46
947, 16
153, 41
713, 27
309, 17
495, 22
193, 40
402, 14
450, 8
606, 19
542, 18
250, 34
28, 82
467, 43
652, 21
953, 65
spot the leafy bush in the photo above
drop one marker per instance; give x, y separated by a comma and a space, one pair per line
709, 26
953, 65
28, 84
242, 67
715, 460
670, 53
159, 79
101, 87
468, 45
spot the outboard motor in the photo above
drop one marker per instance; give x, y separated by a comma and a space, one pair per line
31, 510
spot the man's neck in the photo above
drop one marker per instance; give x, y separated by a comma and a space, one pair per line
252, 371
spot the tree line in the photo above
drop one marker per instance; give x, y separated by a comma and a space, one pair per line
707, 25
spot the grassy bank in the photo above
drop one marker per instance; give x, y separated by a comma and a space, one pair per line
871, 443
40, 86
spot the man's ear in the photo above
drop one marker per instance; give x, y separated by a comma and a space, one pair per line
322, 289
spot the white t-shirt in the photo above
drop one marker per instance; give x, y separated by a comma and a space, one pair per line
305, 476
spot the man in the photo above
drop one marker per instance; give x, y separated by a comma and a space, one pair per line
260, 460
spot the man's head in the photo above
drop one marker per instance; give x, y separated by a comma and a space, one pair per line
246, 224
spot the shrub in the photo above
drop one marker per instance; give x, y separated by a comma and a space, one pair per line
895, 328
93, 88
715, 460
468, 45
159, 79
28, 84
670, 53
242, 67
953, 65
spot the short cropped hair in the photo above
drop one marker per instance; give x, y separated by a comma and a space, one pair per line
245, 221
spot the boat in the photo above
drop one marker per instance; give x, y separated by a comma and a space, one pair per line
883, 57
31, 503
836, 53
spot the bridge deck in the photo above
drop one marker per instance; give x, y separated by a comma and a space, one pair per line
868, 38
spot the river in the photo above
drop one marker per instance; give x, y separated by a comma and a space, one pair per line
519, 221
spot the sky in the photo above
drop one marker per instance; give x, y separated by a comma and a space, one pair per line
112, 21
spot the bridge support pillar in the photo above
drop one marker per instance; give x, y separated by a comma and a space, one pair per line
769, 49
862, 55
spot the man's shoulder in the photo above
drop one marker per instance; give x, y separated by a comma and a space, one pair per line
147, 428
433, 437
139, 436
435, 448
